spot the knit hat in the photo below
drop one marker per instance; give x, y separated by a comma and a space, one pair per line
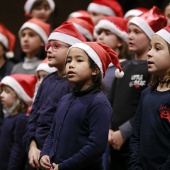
45, 67
135, 12
78, 13
67, 33
106, 7
8, 39
116, 25
84, 24
165, 33
102, 55
40, 27
22, 84
150, 22
29, 3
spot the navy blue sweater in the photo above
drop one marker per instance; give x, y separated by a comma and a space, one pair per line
150, 141
12, 152
79, 133
44, 107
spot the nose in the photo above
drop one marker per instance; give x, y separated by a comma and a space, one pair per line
149, 53
100, 36
130, 35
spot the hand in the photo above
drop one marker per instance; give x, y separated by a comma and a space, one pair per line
55, 166
33, 156
117, 140
110, 136
45, 163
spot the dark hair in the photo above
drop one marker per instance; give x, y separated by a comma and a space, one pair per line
97, 79
38, 3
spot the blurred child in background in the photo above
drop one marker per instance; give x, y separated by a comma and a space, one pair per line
33, 35
16, 95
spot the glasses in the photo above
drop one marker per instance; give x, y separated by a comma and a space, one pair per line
55, 46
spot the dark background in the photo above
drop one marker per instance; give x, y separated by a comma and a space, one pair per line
12, 12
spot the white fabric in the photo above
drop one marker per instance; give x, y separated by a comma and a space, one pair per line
45, 67
132, 12
164, 34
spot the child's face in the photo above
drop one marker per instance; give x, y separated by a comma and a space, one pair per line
108, 38
30, 42
56, 53
78, 69
138, 40
41, 12
8, 96
158, 56
167, 14
40, 75
2, 50
96, 17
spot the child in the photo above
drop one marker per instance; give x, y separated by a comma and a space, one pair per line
126, 92
99, 8
112, 31
167, 13
41, 9
53, 87
16, 95
149, 143
83, 117
33, 35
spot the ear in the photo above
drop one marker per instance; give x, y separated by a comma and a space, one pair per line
95, 71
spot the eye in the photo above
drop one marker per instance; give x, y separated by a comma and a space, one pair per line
56, 46
68, 61
79, 60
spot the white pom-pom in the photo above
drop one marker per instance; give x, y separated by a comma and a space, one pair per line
9, 54
119, 74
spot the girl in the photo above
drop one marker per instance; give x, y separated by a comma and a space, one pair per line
149, 143
53, 87
16, 95
33, 35
41, 9
82, 117
125, 94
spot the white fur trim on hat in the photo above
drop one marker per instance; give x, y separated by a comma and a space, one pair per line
132, 12
93, 7
105, 24
164, 34
84, 31
45, 67
11, 82
91, 53
68, 39
29, 3
35, 28
4, 40
141, 23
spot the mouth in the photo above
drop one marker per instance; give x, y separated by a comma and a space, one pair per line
70, 73
49, 58
131, 44
150, 63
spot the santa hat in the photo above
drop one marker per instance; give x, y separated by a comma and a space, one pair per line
29, 3
150, 22
40, 27
78, 13
135, 12
106, 7
85, 25
102, 55
8, 39
116, 25
22, 84
165, 33
45, 67
67, 33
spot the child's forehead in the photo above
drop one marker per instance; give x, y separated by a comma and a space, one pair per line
57, 41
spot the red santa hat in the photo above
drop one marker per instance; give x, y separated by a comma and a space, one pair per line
165, 33
22, 84
40, 27
84, 24
116, 25
45, 67
135, 12
106, 7
29, 3
102, 55
150, 22
8, 39
78, 13
67, 33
